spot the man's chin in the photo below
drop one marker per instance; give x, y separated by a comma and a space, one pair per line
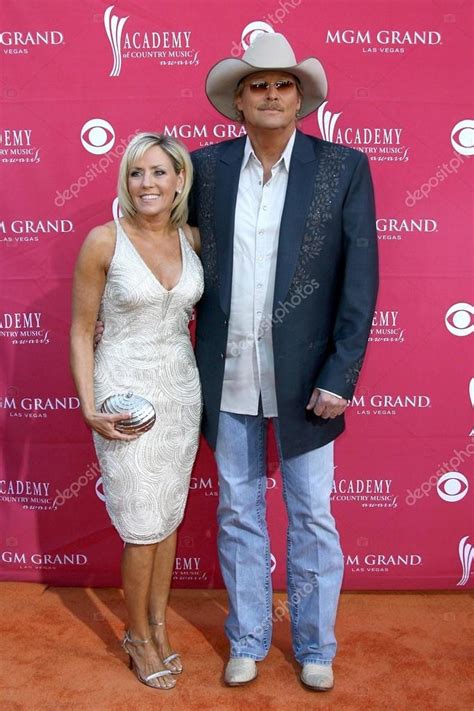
274, 125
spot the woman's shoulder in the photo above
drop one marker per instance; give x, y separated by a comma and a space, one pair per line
102, 233
101, 236
100, 242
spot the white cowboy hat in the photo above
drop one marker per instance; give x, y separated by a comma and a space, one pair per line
269, 51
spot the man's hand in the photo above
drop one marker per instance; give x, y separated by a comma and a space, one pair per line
326, 405
98, 331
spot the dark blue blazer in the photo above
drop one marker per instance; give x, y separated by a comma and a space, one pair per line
325, 286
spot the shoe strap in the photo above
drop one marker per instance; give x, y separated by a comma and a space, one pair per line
128, 640
170, 658
157, 675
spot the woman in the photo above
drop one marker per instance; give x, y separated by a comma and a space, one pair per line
142, 275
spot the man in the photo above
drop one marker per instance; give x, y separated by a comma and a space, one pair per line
289, 251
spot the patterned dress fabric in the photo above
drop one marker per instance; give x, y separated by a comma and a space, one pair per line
146, 349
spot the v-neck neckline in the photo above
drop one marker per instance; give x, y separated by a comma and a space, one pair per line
182, 253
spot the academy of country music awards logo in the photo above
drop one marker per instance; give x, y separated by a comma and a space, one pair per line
167, 46
368, 493
28, 494
188, 569
37, 496
24, 328
466, 556
387, 327
19, 231
380, 143
18, 146
16, 42
383, 41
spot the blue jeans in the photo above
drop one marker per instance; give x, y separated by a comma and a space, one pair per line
314, 561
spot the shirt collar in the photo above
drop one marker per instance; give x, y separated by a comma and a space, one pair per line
285, 156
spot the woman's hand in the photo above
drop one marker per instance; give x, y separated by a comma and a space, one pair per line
104, 425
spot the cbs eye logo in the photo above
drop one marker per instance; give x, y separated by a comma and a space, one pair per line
116, 210
99, 489
253, 30
97, 136
452, 486
273, 562
458, 319
463, 143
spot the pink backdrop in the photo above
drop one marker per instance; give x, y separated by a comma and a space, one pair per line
72, 95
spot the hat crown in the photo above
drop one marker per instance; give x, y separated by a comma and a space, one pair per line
270, 49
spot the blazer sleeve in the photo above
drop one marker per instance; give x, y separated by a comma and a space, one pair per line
358, 287
192, 200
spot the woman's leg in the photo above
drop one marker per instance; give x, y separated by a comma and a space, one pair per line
137, 572
163, 565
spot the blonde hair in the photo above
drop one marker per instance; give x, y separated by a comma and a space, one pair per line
180, 160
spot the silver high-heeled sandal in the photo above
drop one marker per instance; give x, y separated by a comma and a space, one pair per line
133, 665
171, 657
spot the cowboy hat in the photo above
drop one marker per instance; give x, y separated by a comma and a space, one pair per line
270, 51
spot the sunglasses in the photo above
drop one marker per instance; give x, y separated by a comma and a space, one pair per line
260, 87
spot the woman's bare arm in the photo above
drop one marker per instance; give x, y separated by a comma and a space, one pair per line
89, 282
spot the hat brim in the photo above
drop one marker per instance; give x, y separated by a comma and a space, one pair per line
224, 77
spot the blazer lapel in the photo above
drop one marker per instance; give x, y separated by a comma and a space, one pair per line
227, 183
299, 193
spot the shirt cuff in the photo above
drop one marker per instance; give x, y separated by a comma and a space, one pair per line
330, 393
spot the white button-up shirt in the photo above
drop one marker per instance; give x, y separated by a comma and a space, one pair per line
249, 367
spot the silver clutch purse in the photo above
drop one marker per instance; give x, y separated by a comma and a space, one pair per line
142, 412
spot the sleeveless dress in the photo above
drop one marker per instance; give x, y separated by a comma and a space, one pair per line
146, 349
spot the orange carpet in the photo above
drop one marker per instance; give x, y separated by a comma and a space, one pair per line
60, 650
